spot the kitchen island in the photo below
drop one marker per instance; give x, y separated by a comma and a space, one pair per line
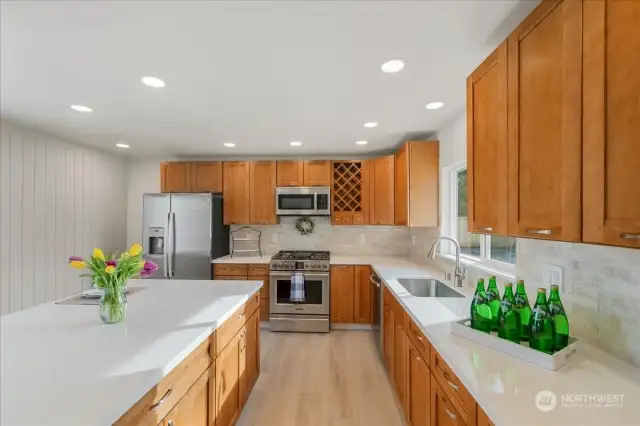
62, 366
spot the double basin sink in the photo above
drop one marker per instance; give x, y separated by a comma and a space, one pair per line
427, 287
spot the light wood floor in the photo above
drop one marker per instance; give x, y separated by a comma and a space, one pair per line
333, 379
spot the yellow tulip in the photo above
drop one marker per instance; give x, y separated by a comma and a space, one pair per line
141, 264
98, 254
109, 269
78, 264
135, 249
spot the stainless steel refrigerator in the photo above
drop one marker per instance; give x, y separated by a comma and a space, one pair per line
182, 233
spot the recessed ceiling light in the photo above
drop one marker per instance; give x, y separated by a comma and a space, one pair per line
371, 124
393, 65
81, 108
122, 145
153, 82
296, 143
229, 144
362, 142
434, 105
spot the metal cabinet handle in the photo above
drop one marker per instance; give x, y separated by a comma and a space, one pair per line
447, 378
416, 355
170, 423
451, 415
487, 229
538, 231
164, 397
240, 317
630, 236
419, 338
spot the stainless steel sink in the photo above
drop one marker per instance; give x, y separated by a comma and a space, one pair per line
427, 287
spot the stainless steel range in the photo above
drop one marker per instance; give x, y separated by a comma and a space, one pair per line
308, 312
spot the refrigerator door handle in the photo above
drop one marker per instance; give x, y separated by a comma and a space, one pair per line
167, 246
173, 243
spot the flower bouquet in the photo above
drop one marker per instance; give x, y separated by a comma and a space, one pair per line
111, 274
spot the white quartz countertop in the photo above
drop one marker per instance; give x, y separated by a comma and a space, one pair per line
505, 386
60, 365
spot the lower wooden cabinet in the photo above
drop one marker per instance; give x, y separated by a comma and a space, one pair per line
483, 419
351, 294
227, 380
388, 325
419, 403
362, 309
443, 412
194, 407
401, 363
250, 356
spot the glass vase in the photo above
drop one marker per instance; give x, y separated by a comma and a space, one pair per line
113, 306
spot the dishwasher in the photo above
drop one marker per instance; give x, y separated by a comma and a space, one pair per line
376, 299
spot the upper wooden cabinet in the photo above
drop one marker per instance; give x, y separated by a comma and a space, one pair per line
236, 194
174, 176
417, 175
262, 193
350, 183
290, 173
317, 173
544, 122
487, 145
611, 90
382, 188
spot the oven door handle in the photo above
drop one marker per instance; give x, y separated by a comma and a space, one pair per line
306, 274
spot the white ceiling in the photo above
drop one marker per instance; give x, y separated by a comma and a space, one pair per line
259, 74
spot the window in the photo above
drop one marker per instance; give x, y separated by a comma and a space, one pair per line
479, 247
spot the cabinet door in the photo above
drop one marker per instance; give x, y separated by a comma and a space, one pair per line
243, 361
251, 354
317, 173
206, 176
611, 159
290, 173
401, 363
262, 190
483, 419
388, 349
419, 389
174, 177
382, 191
544, 123
236, 192
402, 186
362, 292
227, 383
443, 412
487, 145
194, 407
342, 286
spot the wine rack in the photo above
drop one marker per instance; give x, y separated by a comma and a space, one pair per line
349, 193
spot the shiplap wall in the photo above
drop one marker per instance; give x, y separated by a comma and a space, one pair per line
56, 199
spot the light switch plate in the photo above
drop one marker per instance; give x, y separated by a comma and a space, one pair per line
553, 275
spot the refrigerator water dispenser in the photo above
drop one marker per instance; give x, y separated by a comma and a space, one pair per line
156, 241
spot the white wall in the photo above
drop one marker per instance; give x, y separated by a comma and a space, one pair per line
56, 200
142, 177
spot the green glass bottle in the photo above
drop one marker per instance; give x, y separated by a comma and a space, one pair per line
523, 308
508, 317
480, 310
560, 321
542, 331
493, 298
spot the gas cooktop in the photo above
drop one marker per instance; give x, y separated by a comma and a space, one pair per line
301, 255
287, 260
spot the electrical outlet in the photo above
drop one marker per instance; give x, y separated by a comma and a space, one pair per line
553, 275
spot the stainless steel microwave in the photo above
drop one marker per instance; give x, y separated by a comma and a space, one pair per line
303, 201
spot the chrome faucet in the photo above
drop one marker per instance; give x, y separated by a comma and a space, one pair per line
459, 273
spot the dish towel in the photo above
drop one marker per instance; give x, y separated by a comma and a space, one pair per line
297, 287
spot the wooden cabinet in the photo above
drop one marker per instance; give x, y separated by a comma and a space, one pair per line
544, 123
236, 192
362, 309
251, 355
342, 283
443, 412
381, 204
457, 394
611, 156
317, 173
483, 419
262, 193
194, 407
388, 331
487, 145
290, 173
418, 411
174, 176
227, 381
350, 192
205, 176
401, 362
417, 176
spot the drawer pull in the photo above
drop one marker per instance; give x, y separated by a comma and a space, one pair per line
419, 338
170, 423
538, 231
451, 415
240, 317
487, 229
164, 397
630, 236
447, 378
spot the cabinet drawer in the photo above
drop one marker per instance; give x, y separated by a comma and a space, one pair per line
444, 412
231, 277
451, 385
157, 403
230, 269
419, 340
227, 331
257, 270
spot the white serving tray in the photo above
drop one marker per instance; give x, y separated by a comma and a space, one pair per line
522, 350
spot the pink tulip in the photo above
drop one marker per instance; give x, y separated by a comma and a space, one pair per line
75, 259
111, 263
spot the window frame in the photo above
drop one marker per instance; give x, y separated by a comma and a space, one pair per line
449, 179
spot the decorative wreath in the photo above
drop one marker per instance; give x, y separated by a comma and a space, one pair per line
304, 225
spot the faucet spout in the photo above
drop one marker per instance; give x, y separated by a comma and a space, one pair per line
458, 272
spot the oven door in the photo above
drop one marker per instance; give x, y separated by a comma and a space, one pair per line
316, 289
